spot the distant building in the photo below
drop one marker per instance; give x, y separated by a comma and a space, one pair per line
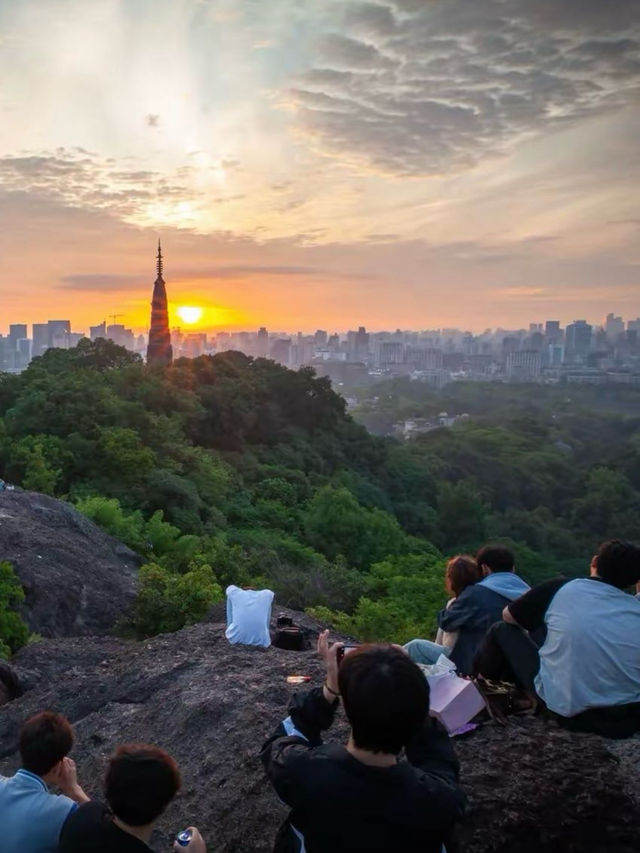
159, 349
613, 326
281, 351
578, 340
262, 343
523, 365
121, 336
99, 331
552, 332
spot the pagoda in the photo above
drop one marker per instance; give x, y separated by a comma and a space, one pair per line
159, 349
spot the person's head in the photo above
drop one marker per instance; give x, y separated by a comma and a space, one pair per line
462, 571
385, 697
140, 783
10, 687
617, 563
495, 558
45, 739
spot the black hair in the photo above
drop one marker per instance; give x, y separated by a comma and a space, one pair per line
385, 696
618, 563
45, 739
498, 558
140, 783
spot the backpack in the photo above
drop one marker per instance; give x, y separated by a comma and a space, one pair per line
289, 637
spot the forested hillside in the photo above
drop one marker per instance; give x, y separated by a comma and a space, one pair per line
229, 468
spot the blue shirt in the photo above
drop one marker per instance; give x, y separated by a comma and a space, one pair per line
30, 817
591, 657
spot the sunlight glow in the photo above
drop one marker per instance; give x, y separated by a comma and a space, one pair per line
190, 314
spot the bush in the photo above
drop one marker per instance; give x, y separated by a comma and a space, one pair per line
14, 632
167, 602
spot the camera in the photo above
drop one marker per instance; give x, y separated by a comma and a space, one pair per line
344, 650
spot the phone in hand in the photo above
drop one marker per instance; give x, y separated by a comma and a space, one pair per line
344, 650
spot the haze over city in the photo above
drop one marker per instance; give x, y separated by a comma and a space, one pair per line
314, 165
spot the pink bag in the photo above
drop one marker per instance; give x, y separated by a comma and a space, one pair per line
454, 701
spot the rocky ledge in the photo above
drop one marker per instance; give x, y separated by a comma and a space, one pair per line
77, 579
532, 787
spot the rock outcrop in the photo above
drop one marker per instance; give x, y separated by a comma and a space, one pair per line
77, 579
532, 787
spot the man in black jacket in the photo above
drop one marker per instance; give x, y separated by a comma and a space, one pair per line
362, 796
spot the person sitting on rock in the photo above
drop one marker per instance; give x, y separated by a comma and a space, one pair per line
30, 817
481, 604
588, 669
362, 796
140, 783
462, 571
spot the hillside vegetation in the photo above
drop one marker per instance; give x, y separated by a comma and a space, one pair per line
231, 469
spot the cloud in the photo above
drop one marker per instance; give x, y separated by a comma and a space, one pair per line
450, 83
98, 282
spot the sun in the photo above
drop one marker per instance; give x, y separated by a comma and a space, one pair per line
190, 314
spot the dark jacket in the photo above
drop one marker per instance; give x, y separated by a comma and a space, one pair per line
475, 610
340, 805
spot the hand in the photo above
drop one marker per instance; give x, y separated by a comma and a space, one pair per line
67, 780
329, 654
196, 845
67, 775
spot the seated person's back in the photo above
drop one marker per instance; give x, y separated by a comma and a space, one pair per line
481, 604
30, 817
591, 655
140, 783
360, 796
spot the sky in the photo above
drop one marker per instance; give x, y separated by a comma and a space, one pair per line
320, 163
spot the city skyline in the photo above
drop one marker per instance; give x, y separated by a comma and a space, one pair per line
408, 164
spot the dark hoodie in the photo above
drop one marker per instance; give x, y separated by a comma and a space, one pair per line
475, 610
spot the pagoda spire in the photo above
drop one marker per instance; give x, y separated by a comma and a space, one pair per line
159, 350
159, 260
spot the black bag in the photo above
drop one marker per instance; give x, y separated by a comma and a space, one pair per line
291, 638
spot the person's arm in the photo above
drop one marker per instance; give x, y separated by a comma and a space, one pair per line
431, 752
67, 781
286, 751
529, 610
507, 617
459, 614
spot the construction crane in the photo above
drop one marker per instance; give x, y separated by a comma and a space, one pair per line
114, 317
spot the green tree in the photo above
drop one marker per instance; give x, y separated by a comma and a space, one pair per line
14, 632
168, 602
337, 525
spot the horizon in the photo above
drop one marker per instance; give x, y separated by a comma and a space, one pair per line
390, 164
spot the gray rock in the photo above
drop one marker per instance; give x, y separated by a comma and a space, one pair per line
532, 787
77, 579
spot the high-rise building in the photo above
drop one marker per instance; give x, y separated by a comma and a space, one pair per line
159, 349
613, 326
523, 365
281, 351
40, 336
552, 332
578, 340
99, 331
262, 342
17, 332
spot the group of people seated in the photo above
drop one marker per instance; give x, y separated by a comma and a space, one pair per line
394, 786
572, 645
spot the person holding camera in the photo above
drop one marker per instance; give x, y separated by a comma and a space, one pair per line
363, 795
